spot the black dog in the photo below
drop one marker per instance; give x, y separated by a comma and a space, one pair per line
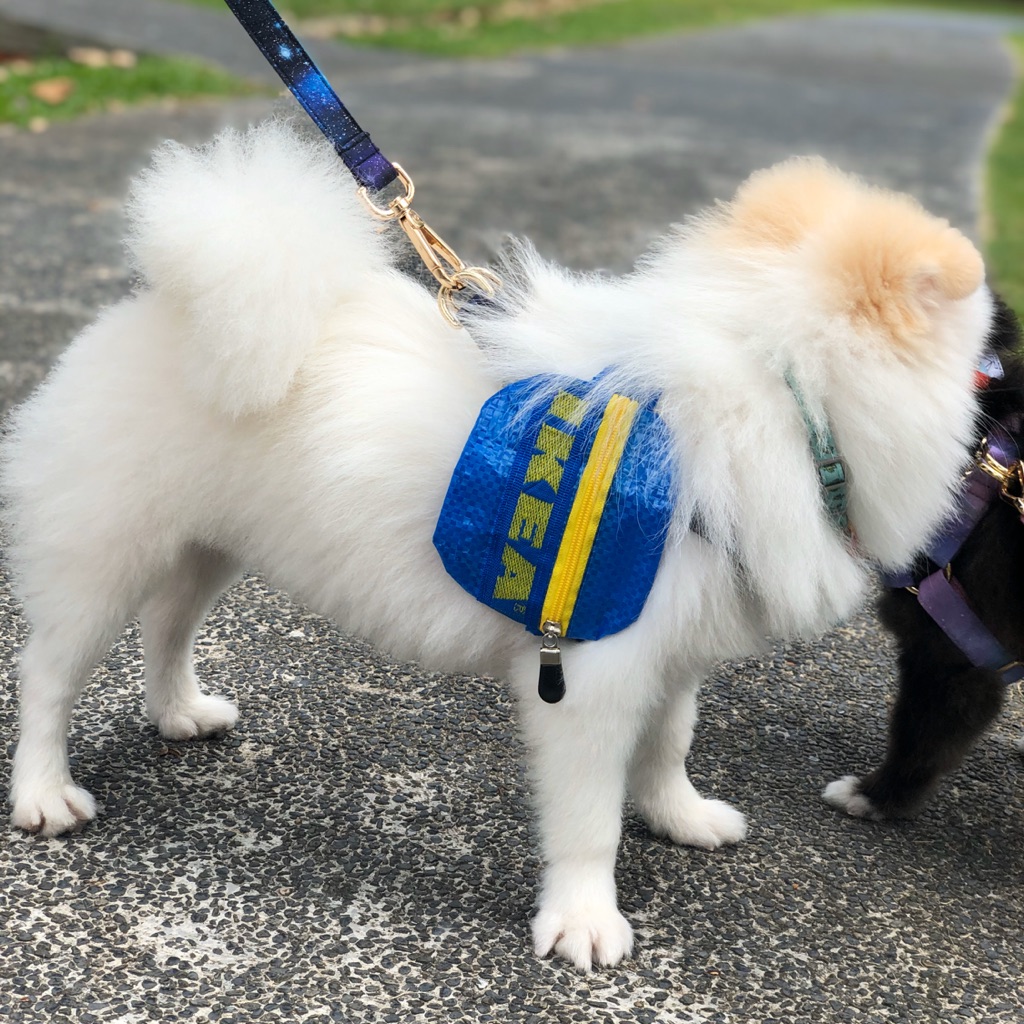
945, 702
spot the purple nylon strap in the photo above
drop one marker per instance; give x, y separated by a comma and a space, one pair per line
943, 600
979, 491
289, 59
977, 495
941, 597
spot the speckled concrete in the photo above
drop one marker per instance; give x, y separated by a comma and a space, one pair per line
360, 848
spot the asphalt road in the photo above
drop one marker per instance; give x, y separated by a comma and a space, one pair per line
360, 848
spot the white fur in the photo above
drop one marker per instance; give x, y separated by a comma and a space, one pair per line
843, 795
277, 396
270, 265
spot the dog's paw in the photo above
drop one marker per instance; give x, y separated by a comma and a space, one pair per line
200, 717
52, 810
845, 794
711, 824
707, 824
584, 935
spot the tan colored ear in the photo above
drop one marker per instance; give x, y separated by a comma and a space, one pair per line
888, 261
778, 207
959, 269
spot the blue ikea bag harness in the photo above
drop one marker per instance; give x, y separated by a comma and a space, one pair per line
557, 513
559, 507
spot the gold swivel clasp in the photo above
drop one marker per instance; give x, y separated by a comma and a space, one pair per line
1010, 478
438, 256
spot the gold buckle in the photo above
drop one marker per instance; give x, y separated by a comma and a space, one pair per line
947, 571
984, 460
1010, 478
1012, 488
440, 259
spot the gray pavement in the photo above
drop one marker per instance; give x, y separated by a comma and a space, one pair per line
360, 848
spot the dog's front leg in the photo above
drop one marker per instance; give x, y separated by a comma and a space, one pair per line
580, 749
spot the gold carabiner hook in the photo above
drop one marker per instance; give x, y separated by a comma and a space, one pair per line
987, 463
438, 256
1010, 478
1012, 488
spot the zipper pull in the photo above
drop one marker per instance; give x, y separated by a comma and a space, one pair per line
551, 685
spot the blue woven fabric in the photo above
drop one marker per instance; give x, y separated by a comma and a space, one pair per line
511, 494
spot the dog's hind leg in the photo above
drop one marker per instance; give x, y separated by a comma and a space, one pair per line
170, 618
661, 789
55, 664
940, 713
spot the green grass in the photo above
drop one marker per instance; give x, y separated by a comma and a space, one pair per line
1005, 198
95, 89
486, 27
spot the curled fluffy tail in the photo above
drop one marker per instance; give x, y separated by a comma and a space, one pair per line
254, 239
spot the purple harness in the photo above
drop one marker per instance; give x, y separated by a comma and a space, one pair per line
940, 594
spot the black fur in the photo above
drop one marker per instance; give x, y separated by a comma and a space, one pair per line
944, 704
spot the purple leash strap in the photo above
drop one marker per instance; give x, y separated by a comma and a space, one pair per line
288, 58
939, 594
979, 491
943, 600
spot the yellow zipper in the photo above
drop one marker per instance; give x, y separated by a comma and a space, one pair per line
585, 515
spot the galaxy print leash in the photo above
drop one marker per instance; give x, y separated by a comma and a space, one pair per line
370, 168
288, 58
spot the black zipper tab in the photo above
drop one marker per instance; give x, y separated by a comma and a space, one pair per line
551, 685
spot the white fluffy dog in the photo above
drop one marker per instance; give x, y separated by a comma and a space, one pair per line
278, 396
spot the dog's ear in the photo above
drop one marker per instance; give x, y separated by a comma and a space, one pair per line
882, 259
779, 207
890, 265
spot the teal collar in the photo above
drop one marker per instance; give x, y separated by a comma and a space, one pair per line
832, 475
